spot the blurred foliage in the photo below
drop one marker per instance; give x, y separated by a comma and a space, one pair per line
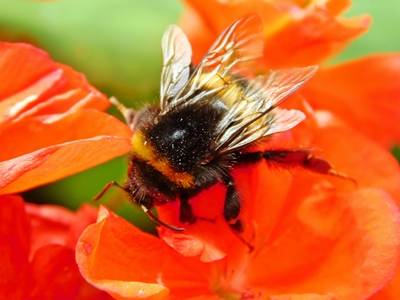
383, 35
116, 44
396, 152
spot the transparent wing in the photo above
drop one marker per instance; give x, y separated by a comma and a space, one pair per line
233, 51
177, 55
253, 112
254, 115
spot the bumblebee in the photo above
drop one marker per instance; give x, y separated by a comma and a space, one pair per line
207, 118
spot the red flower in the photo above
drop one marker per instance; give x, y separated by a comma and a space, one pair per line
314, 236
364, 93
51, 125
37, 251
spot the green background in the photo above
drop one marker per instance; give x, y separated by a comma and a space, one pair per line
116, 44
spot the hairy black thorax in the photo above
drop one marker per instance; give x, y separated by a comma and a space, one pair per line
185, 136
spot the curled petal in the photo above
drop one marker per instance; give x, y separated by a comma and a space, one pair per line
32, 82
311, 37
294, 35
50, 123
190, 245
21, 65
148, 268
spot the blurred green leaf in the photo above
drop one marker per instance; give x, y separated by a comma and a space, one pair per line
115, 43
396, 152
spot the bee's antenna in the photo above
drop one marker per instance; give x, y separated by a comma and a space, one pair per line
128, 113
105, 189
158, 221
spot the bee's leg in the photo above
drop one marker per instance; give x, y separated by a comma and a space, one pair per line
158, 221
232, 209
105, 189
290, 159
232, 205
186, 214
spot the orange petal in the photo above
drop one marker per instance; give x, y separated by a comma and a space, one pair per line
348, 151
305, 297
44, 85
203, 25
14, 248
147, 269
50, 150
20, 66
16, 104
391, 291
188, 244
77, 81
337, 7
39, 132
50, 126
364, 93
62, 91
369, 164
366, 162
310, 37
357, 156
295, 35
346, 244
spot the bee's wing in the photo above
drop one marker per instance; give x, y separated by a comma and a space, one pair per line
255, 114
177, 56
233, 51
